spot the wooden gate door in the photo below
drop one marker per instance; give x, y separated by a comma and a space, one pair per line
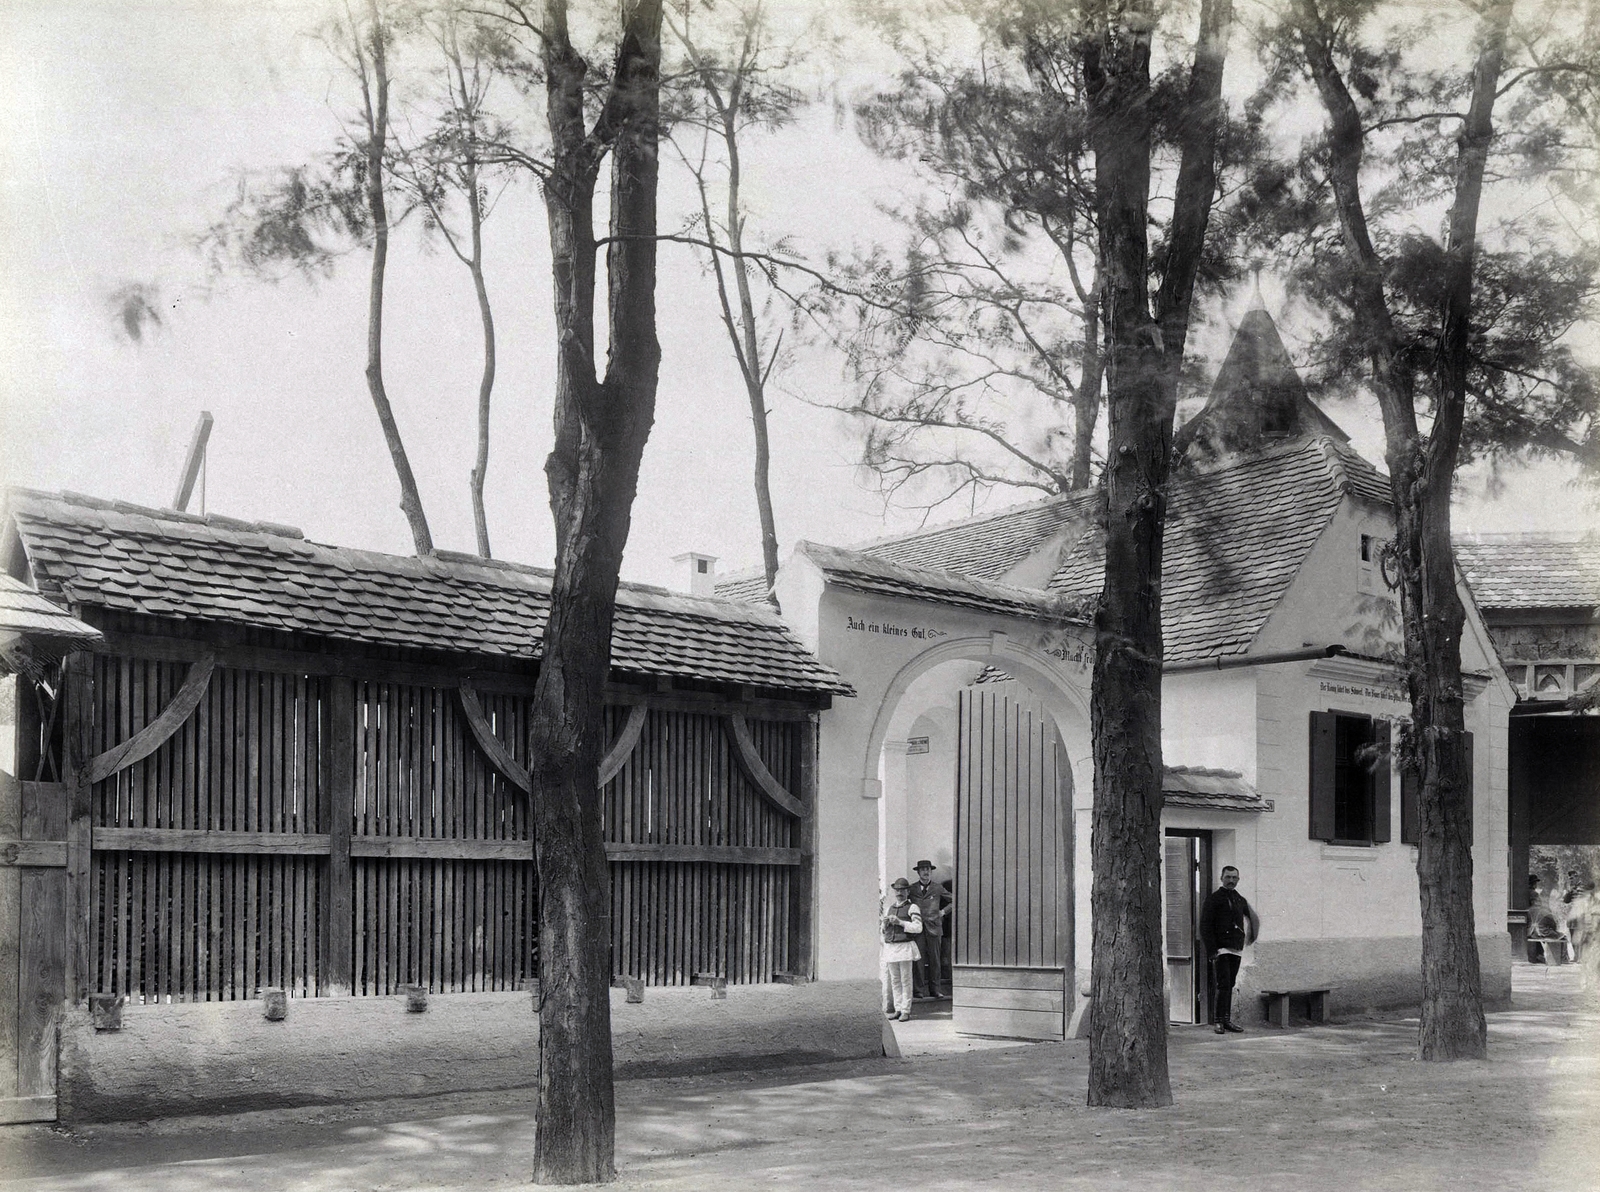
1013, 907
1186, 872
33, 945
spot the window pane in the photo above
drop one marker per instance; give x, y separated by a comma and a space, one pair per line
1352, 791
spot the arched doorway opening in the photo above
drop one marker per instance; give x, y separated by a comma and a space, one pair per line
975, 749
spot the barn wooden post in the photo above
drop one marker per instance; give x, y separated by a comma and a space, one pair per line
77, 679
337, 810
802, 892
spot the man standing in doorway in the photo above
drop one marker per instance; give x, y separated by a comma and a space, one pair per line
1227, 923
934, 904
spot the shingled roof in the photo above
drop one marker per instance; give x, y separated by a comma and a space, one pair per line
866, 572
175, 565
1531, 570
1236, 535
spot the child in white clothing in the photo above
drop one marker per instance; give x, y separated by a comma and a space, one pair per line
901, 921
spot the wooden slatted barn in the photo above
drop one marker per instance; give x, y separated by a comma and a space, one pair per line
300, 767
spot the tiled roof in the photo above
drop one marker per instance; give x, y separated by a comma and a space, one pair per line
866, 573
1258, 393
22, 610
1236, 535
1218, 790
1235, 538
1531, 570
167, 564
749, 585
985, 547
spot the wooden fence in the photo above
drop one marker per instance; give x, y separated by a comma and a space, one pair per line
253, 826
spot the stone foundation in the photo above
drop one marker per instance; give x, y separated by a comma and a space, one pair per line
221, 1057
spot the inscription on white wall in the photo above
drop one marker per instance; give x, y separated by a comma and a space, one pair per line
891, 629
1394, 694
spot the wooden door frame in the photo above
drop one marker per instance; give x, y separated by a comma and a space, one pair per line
1200, 887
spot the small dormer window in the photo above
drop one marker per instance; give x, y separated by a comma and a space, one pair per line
703, 566
1277, 416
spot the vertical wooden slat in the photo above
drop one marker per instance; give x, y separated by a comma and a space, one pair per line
337, 785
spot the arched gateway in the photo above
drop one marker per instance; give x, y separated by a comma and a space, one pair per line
968, 741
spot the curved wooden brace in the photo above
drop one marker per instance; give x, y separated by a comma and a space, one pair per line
622, 748
493, 748
771, 789
153, 735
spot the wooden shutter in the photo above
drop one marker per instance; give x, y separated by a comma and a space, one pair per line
1322, 771
1410, 790
1410, 825
1383, 735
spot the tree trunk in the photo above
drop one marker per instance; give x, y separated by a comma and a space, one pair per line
1452, 1024
1421, 476
601, 428
480, 469
375, 93
1128, 1031
755, 382
1086, 400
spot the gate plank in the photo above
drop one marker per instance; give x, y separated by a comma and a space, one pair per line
10, 922
42, 942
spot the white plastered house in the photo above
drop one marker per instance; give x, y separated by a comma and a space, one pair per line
969, 648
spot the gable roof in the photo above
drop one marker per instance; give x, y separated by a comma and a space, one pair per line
1531, 570
176, 565
1236, 536
985, 547
862, 571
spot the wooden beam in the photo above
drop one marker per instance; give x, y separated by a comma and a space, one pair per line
716, 854
301, 661
627, 740
756, 769
153, 735
187, 840
288, 844
430, 848
494, 749
803, 882
33, 854
192, 462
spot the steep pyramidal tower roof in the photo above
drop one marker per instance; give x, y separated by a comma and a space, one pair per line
1258, 397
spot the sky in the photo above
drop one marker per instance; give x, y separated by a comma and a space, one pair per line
125, 126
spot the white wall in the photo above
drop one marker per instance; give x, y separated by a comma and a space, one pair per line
1206, 720
837, 626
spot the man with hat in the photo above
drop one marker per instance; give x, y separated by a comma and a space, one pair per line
934, 903
901, 922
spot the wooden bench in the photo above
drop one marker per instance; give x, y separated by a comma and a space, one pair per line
1559, 943
1278, 1004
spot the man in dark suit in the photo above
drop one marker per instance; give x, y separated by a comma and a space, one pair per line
934, 904
1227, 923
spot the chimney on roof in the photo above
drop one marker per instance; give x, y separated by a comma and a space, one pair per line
702, 572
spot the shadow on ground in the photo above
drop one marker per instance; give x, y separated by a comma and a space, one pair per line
1336, 1107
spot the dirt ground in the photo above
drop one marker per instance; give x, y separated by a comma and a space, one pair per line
1337, 1107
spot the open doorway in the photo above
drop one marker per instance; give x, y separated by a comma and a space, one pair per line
1186, 874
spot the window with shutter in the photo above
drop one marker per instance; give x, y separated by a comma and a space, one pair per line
1377, 766
1322, 774
1349, 779
1410, 824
